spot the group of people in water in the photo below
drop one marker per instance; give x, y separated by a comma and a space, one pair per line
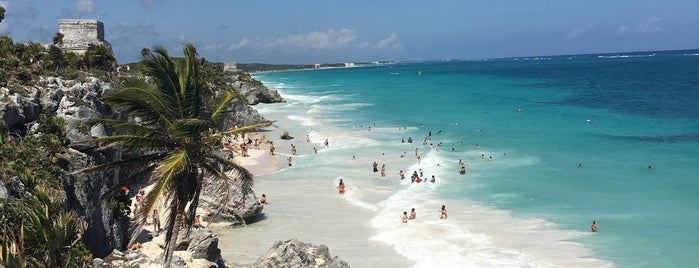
405, 217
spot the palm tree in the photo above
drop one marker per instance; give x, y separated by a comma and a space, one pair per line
175, 138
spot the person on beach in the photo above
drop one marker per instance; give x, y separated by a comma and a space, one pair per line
156, 221
308, 139
196, 225
412, 214
327, 144
135, 246
293, 149
462, 171
404, 218
594, 227
461, 162
433, 179
271, 148
341, 187
315, 150
444, 212
383, 170
263, 199
375, 166
289, 159
183, 224
402, 175
230, 155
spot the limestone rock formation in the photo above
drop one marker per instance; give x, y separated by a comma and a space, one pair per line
240, 207
294, 253
77, 102
256, 93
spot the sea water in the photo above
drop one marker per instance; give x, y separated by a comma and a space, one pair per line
612, 138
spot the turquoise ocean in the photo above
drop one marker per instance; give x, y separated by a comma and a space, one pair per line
571, 140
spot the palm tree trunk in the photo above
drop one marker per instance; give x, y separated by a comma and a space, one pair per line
173, 232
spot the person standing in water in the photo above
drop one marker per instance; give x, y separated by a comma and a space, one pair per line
341, 187
404, 218
444, 212
412, 214
594, 227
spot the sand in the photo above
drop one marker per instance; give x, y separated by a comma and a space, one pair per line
258, 162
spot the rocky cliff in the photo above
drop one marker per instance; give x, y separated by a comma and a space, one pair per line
77, 102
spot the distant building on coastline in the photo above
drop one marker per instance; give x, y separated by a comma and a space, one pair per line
81, 35
349, 64
230, 66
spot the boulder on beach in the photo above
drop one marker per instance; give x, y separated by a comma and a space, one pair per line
294, 253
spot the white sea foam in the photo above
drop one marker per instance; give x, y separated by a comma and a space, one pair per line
305, 121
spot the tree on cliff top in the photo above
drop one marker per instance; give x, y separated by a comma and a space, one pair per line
175, 137
2, 13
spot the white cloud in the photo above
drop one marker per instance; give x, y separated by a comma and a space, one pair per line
580, 31
650, 24
391, 40
317, 40
85, 7
235, 46
623, 29
24, 9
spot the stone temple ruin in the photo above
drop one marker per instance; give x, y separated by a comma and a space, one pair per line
80, 35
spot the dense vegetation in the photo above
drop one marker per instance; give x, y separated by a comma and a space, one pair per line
36, 230
22, 63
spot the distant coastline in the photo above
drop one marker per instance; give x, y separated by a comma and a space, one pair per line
264, 67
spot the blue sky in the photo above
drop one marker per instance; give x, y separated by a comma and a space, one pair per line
305, 32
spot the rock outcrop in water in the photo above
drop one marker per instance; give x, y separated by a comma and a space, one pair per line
294, 253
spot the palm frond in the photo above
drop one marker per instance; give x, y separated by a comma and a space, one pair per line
171, 166
149, 144
223, 103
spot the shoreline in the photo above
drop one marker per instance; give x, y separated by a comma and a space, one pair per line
311, 212
364, 222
